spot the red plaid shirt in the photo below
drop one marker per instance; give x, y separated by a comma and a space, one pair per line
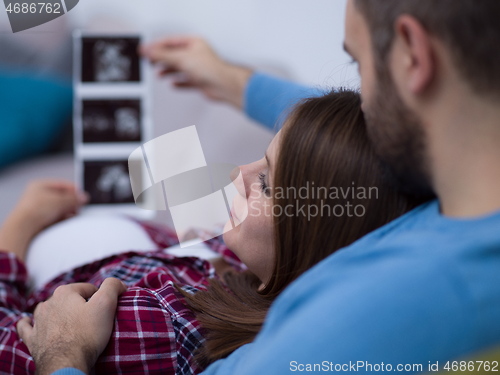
154, 332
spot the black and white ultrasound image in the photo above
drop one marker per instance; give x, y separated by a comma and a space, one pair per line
107, 60
111, 121
107, 182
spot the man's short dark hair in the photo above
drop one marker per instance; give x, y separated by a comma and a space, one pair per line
469, 28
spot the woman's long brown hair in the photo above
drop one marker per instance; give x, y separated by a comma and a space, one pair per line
324, 143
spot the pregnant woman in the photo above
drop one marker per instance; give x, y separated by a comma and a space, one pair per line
318, 188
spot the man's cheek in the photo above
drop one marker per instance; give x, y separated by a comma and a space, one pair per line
366, 94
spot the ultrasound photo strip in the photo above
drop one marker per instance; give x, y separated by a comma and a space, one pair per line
111, 114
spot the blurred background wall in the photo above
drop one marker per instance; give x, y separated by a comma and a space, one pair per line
302, 37
300, 40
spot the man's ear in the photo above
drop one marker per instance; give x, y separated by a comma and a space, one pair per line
416, 53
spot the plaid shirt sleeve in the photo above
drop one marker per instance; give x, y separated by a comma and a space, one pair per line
155, 332
14, 355
13, 279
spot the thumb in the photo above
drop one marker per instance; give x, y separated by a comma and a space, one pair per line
172, 58
25, 330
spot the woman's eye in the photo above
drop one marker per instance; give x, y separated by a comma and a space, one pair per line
265, 189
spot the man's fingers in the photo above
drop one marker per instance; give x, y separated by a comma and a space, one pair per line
108, 292
105, 300
85, 290
185, 84
112, 286
171, 42
25, 330
171, 58
168, 70
175, 42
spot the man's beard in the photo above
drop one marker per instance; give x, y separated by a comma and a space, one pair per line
398, 137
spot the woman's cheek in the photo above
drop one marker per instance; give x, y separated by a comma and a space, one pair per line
239, 210
255, 209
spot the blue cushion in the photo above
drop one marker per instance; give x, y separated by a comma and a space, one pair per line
33, 112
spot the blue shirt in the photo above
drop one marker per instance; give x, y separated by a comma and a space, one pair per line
68, 371
420, 290
268, 99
